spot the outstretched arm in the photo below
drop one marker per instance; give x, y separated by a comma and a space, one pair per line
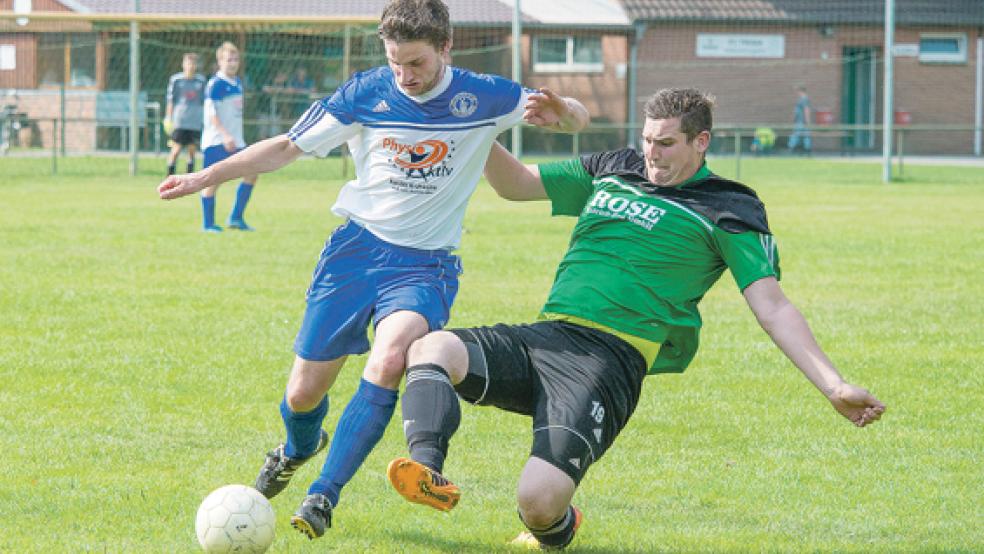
789, 330
556, 113
511, 178
267, 155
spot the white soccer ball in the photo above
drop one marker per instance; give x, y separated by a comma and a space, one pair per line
235, 518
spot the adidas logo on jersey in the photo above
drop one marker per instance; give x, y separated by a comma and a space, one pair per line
382, 106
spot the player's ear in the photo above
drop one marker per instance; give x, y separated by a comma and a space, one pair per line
702, 141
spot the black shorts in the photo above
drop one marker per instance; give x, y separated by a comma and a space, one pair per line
184, 137
579, 384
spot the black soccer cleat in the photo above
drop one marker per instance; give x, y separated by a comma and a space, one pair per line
278, 468
313, 517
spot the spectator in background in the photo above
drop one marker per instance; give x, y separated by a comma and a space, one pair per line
332, 76
302, 86
764, 140
183, 114
802, 116
275, 105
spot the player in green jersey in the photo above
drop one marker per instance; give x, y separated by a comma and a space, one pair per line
654, 233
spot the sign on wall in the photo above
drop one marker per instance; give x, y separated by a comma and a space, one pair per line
906, 49
721, 45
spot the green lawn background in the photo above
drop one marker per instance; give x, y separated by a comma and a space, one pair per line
141, 363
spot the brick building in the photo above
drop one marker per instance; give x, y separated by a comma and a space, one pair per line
752, 54
576, 46
609, 53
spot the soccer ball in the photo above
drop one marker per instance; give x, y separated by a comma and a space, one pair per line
235, 518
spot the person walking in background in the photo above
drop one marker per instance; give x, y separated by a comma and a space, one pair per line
184, 112
223, 136
802, 116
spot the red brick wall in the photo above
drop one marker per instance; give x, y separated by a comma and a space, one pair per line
22, 76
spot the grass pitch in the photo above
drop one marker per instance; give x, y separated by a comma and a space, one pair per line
141, 363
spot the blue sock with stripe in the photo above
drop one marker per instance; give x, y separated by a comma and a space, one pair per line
303, 429
359, 429
208, 211
242, 198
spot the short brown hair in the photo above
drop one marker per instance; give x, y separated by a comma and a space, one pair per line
692, 106
410, 20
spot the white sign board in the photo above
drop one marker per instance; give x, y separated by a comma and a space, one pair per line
8, 57
720, 45
906, 50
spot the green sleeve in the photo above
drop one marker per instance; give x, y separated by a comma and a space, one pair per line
568, 185
750, 255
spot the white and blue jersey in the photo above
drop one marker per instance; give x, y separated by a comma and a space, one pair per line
224, 99
418, 158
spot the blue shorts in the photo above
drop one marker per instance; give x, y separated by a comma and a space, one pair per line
362, 278
215, 154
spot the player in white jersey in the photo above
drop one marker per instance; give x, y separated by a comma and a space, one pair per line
223, 136
420, 132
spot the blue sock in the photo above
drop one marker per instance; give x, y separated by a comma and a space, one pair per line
242, 198
303, 429
359, 429
208, 210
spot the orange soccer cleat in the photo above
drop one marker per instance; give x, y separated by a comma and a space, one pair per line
419, 483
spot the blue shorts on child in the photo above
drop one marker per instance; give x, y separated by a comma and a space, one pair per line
215, 154
362, 278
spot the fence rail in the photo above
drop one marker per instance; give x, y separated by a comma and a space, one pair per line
46, 137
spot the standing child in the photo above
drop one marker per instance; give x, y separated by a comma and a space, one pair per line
183, 115
223, 136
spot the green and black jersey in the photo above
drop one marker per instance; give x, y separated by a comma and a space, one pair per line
641, 257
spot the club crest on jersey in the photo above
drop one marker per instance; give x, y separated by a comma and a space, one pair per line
427, 158
463, 104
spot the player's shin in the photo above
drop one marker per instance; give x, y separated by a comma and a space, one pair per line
359, 428
303, 429
431, 414
243, 194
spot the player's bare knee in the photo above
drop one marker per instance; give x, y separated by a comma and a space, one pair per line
539, 507
444, 349
386, 369
301, 399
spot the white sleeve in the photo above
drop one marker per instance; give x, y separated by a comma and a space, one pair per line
318, 132
209, 110
515, 117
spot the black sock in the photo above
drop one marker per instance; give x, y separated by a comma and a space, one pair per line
191, 165
170, 169
431, 414
559, 533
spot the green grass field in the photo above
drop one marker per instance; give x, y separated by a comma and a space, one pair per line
141, 363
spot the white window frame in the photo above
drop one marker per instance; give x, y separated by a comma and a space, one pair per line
569, 66
937, 57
